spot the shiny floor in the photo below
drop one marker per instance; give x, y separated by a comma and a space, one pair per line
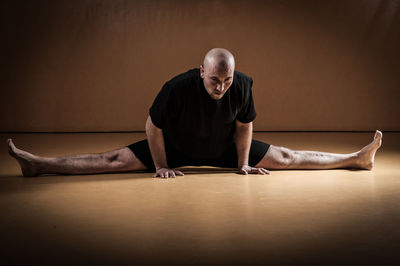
209, 216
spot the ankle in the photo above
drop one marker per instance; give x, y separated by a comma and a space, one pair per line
362, 162
356, 159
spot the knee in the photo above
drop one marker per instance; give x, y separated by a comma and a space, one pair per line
286, 157
113, 158
123, 159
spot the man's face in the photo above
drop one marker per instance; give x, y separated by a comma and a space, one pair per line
215, 81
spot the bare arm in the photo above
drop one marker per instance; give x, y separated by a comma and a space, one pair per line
244, 132
155, 139
156, 144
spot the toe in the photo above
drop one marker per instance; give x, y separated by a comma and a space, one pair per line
10, 143
378, 134
11, 148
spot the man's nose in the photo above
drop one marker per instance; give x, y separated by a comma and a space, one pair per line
220, 87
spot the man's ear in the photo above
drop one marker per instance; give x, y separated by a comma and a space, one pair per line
202, 71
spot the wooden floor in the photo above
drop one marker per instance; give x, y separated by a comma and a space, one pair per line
209, 216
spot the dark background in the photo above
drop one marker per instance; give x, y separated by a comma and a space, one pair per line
73, 66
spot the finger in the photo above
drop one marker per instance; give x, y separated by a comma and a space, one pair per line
257, 171
253, 171
266, 171
172, 174
261, 171
178, 172
166, 174
244, 172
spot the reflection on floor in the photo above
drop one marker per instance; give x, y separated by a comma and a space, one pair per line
209, 216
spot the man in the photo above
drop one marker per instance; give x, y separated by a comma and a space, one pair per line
201, 117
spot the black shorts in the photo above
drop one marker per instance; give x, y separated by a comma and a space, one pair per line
176, 159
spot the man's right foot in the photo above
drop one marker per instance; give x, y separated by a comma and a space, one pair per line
26, 160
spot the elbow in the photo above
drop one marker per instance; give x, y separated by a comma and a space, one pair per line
240, 125
147, 125
244, 129
150, 128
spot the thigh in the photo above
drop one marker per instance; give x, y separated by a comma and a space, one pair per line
230, 158
141, 150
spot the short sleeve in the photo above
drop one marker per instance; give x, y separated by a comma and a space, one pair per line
247, 113
162, 106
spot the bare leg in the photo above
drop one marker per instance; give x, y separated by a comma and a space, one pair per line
121, 160
284, 158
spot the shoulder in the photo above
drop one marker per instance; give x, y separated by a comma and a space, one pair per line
241, 86
242, 80
185, 79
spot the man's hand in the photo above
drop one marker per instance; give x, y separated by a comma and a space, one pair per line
245, 169
166, 172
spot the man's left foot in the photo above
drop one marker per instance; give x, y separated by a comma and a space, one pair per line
366, 156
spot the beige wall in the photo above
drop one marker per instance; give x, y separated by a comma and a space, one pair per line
97, 65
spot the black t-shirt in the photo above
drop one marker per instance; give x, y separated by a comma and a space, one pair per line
195, 124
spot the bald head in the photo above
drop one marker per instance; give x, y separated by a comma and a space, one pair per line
219, 59
217, 72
